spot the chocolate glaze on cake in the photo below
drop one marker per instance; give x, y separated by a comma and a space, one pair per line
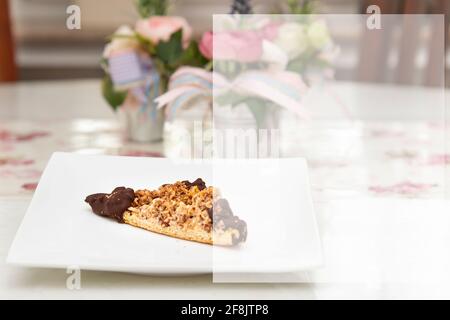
111, 205
199, 183
222, 213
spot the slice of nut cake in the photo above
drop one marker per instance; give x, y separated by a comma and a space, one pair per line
185, 210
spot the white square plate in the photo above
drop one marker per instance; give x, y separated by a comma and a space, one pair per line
272, 196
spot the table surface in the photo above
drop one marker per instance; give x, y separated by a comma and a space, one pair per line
375, 147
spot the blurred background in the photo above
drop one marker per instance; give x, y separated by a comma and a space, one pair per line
33, 33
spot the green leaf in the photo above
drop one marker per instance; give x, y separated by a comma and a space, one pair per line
297, 65
170, 51
145, 43
192, 56
259, 109
229, 98
303, 7
147, 8
114, 97
257, 106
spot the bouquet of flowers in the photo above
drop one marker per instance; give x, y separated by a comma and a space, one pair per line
263, 62
139, 61
268, 62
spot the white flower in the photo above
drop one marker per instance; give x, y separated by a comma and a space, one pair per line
292, 39
318, 34
123, 39
274, 55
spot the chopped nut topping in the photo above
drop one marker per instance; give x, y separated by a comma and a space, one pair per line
179, 203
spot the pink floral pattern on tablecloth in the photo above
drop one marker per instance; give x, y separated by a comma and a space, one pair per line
381, 164
16, 162
405, 188
9, 136
30, 186
436, 125
20, 174
439, 160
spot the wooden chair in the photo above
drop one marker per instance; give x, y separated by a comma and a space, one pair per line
375, 45
8, 70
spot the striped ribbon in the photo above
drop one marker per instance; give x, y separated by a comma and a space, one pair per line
184, 85
284, 88
281, 87
147, 92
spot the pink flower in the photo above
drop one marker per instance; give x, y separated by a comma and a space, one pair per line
243, 46
160, 28
9, 136
206, 45
270, 31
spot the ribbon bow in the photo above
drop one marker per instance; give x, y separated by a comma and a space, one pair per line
281, 87
284, 88
185, 84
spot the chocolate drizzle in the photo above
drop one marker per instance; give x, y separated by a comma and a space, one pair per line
199, 183
111, 205
210, 213
223, 215
222, 208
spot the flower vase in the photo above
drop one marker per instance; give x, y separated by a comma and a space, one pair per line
187, 134
142, 120
240, 117
240, 120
